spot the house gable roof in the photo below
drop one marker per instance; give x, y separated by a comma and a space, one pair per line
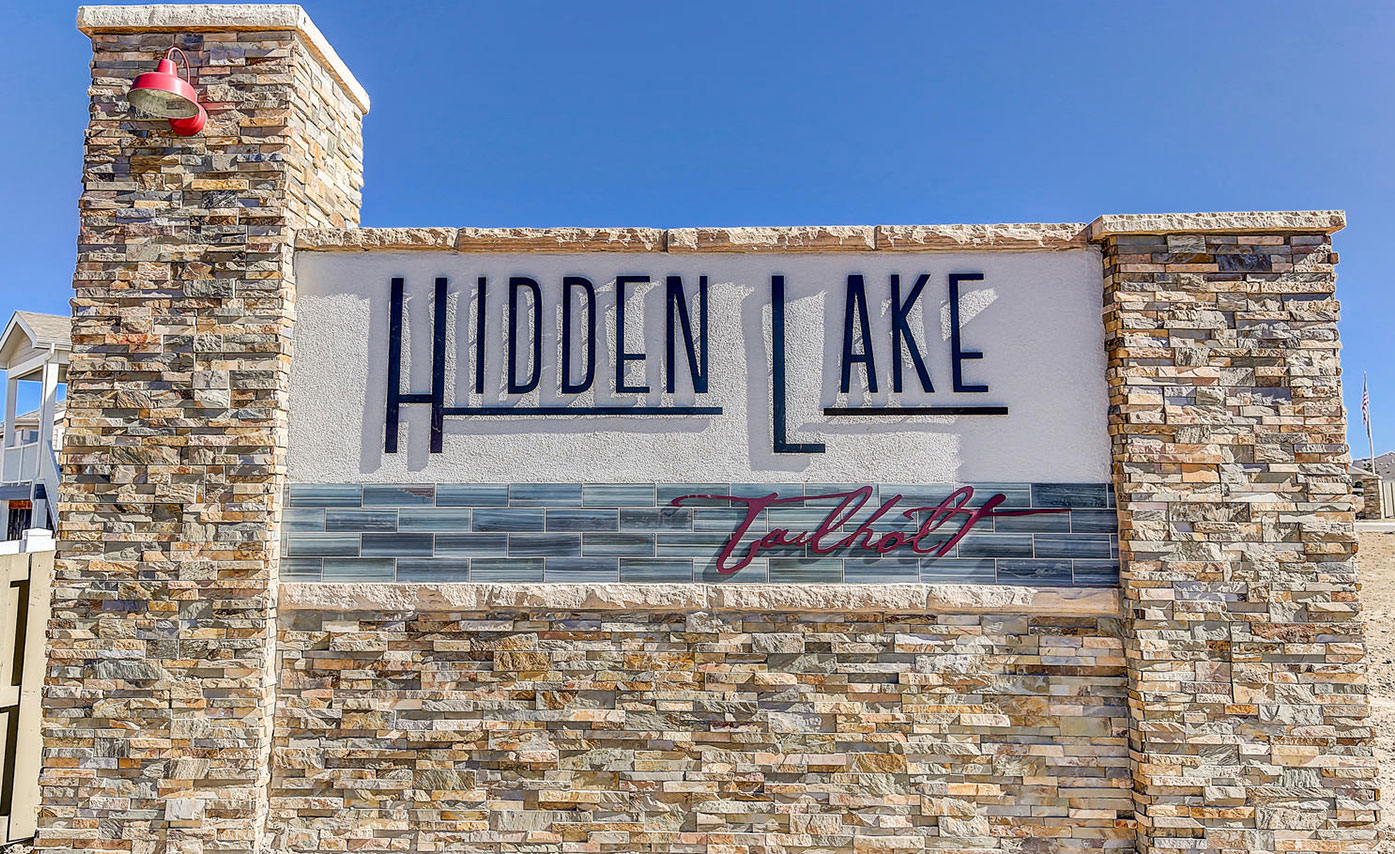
41, 328
30, 330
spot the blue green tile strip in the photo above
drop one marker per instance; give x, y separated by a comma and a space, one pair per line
628, 532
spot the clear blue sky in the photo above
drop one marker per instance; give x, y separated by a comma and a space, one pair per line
780, 113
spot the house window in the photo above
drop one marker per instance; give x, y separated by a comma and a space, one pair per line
21, 512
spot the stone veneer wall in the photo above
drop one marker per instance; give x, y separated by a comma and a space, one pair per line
159, 685
1246, 657
687, 718
820, 717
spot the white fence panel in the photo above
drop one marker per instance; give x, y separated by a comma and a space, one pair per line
28, 581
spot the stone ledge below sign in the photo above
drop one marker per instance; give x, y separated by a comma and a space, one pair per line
829, 598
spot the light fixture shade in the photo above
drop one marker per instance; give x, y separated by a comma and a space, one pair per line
164, 93
190, 126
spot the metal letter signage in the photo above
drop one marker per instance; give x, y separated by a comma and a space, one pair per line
687, 349
520, 384
824, 539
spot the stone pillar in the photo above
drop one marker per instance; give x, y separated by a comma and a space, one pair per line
1246, 660
158, 700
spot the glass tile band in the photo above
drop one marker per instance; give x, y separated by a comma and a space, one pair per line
631, 532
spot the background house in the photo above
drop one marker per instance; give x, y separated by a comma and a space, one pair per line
1384, 468
34, 349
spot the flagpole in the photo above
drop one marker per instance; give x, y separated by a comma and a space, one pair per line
1366, 411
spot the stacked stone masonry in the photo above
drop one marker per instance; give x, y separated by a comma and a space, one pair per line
1223, 708
159, 687
1247, 683
600, 731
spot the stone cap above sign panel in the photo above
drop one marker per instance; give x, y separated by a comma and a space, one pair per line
999, 237
1007, 237
223, 18
693, 598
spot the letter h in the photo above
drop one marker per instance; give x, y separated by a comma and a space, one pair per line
396, 398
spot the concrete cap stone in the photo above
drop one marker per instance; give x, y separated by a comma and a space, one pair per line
744, 239
998, 237
559, 239
826, 598
236, 16
1232, 222
799, 238
345, 239
1024, 236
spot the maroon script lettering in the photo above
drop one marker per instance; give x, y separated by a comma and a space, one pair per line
846, 505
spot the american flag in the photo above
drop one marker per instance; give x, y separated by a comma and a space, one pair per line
1365, 402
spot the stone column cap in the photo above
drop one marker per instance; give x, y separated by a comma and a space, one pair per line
237, 16
1234, 222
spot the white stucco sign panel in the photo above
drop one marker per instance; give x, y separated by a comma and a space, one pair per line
1006, 382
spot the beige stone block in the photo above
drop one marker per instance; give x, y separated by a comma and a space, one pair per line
1008, 237
559, 240
768, 642
801, 238
905, 842
1239, 222
968, 828
184, 809
381, 239
817, 824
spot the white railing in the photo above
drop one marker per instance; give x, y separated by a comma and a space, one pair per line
20, 463
49, 476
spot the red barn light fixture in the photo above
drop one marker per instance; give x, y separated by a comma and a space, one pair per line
165, 94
